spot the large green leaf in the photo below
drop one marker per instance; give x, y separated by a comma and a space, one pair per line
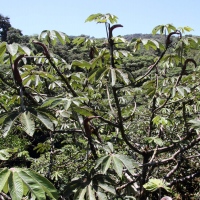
118, 166
181, 90
83, 111
15, 185
8, 122
28, 123
32, 184
123, 76
4, 175
99, 161
46, 185
60, 36
107, 187
92, 17
105, 164
48, 101
110, 145
129, 163
100, 72
82, 64
154, 184
24, 50
12, 48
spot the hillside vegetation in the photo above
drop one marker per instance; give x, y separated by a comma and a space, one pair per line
114, 118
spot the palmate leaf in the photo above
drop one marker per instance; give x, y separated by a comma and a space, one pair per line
19, 181
28, 124
195, 122
129, 163
162, 28
48, 101
155, 184
186, 28
44, 183
102, 18
50, 37
93, 17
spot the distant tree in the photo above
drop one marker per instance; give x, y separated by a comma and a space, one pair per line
14, 35
4, 26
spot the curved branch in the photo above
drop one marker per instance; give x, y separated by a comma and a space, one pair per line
168, 41
16, 73
46, 52
192, 176
65, 80
112, 28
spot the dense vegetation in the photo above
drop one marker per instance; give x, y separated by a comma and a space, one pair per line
86, 118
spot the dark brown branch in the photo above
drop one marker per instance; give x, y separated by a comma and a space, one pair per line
192, 176
5, 196
89, 134
34, 91
121, 126
68, 131
65, 80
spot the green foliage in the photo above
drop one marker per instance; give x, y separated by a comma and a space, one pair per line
101, 18
25, 182
99, 118
155, 184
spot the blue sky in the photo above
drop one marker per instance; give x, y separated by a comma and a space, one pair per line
137, 16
